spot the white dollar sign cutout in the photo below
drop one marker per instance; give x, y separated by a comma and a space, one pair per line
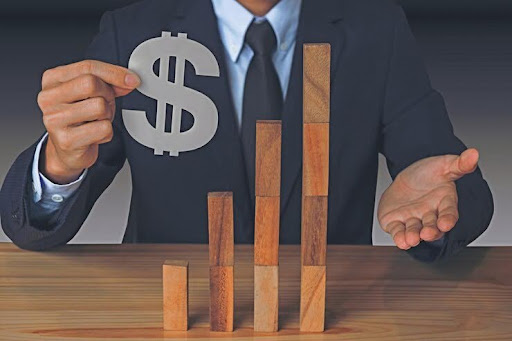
203, 109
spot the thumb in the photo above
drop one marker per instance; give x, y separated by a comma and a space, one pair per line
131, 82
464, 164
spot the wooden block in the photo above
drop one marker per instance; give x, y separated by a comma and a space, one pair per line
175, 295
266, 231
317, 82
314, 230
268, 158
315, 178
221, 298
312, 299
266, 298
221, 228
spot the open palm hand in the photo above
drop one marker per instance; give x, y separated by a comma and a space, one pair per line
421, 203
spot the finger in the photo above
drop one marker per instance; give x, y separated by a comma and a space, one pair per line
122, 79
412, 231
77, 89
430, 232
466, 163
397, 231
448, 213
92, 109
91, 133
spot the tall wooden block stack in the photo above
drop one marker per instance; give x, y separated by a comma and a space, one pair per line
221, 246
175, 300
315, 185
266, 235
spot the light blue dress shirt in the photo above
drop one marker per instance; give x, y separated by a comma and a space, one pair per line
233, 21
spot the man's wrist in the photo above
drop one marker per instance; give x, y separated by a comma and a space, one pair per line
51, 167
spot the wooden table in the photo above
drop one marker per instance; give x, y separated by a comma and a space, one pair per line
373, 293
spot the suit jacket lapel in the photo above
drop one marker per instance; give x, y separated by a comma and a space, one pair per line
320, 22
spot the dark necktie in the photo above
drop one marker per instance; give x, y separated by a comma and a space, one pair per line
263, 97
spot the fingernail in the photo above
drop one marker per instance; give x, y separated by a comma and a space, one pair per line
132, 80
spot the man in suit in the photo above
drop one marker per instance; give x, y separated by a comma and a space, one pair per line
382, 101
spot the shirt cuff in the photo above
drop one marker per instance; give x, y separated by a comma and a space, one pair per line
45, 189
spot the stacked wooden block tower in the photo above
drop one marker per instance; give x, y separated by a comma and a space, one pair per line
315, 185
222, 260
266, 233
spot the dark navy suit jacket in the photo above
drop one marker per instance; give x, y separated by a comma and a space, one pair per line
382, 101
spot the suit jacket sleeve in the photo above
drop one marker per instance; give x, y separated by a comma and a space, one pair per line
415, 125
16, 193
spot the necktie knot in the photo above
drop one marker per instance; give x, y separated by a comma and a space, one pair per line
261, 38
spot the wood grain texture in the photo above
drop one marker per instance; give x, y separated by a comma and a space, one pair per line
175, 295
114, 292
268, 158
221, 298
315, 176
317, 82
312, 299
314, 230
266, 231
221, 228
266, 298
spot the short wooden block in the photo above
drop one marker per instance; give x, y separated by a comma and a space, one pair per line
268, 158
315, 178
221, 298
266, 231
314, 230
221, 228
317, 82
175, 295
312, 299
266, 298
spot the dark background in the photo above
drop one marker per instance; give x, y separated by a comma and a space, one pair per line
413, 7
467, 47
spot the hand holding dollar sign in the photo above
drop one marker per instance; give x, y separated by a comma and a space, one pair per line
78, 106
180, 97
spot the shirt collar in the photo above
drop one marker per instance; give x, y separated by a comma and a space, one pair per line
234, 20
